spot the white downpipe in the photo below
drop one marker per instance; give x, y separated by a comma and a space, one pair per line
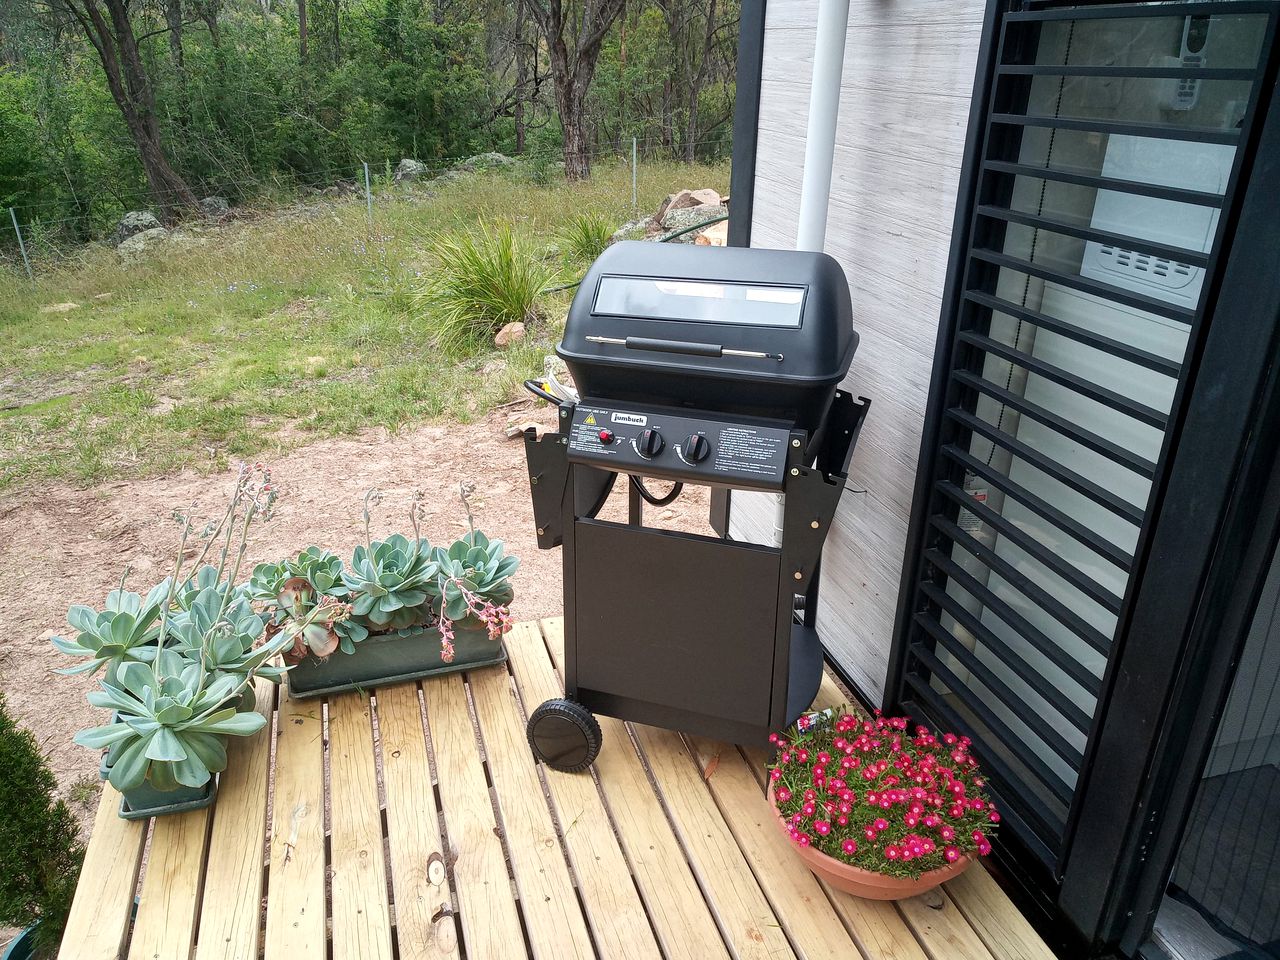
824, 109
820, 146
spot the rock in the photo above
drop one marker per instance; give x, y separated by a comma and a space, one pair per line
59, 307
343, 188
215, 208
716, 235
450, 176
408, 171
677, 220
138, 244
688, 198
103, 296
133, 222
633, 230
512, 333
485, 161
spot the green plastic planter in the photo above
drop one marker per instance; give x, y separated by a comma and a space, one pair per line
146, 801
385, 659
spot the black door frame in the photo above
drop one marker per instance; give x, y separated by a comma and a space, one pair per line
1213, 523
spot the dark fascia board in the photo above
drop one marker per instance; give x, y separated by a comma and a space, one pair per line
746, 121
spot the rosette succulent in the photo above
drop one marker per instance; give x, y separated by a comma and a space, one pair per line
170, 727
301, 594
388, 581
472, 569
225, 639
125, 630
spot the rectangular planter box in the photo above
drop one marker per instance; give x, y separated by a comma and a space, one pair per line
385, 659
146, 801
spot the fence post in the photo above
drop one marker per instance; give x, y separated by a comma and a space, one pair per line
368, 192
635, 202
21, 246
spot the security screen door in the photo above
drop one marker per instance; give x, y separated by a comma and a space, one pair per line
1107, 155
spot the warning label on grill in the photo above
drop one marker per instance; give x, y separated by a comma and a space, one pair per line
749, 450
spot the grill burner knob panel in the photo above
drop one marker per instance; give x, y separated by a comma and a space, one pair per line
649, 444
695, 448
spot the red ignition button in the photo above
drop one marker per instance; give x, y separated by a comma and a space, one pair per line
606, 437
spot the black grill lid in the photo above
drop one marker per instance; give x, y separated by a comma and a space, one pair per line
752, 331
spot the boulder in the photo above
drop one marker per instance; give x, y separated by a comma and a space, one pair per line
485, 161
138, 244
408, 171
634, 230
59, 307
716, 235
688, 198
215, 208
133, 222
448, 177
512, 333
681, 219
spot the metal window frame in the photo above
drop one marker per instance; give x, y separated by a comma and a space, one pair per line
1205, 545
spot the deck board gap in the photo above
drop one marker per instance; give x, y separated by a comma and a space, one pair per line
380, 788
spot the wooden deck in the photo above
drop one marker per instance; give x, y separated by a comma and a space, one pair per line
413, 823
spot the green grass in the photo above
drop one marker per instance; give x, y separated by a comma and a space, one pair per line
279, 329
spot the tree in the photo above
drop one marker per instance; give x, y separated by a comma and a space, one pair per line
573, 64
692, 28
108, 28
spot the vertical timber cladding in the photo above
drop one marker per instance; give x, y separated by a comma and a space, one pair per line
1104, 158
909, 68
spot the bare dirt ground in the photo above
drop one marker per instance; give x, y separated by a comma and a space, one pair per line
60, 545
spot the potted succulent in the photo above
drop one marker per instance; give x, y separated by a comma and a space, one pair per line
876, 810
403, 609
180, 664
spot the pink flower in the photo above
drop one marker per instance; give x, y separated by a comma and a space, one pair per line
822, 826
783, 794
952, 854
892, 853
849, 847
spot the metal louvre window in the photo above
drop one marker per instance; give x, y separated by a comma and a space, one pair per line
1107, 156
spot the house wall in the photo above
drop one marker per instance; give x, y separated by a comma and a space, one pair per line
908, 77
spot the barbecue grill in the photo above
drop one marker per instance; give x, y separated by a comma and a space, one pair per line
711, 366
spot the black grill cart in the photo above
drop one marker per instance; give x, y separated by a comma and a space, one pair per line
712, 366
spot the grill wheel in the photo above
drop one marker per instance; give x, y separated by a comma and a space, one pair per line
564, 735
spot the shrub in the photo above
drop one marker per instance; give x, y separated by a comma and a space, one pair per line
483, 281
40, 851
586, 236
869, 793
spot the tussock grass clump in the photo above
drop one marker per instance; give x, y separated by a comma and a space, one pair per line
586, 236
484, 280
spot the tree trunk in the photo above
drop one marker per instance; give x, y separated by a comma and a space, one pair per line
173, 19
127, 80
302, 32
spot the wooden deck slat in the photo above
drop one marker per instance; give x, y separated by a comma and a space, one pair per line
614, 909
413, 829
744, 912
490, 924
295, 891
995, 919
99, 920
165, 927
552, 916
230, 915
361, 916
681, 910
794, 893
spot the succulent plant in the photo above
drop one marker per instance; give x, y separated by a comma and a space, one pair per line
388, 581
301, 609
321, 568
473, 568
125, 630
171, 722
226, 638
206, 578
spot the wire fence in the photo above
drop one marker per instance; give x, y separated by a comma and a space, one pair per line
36, 238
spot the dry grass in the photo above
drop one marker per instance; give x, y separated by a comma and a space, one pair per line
270, 331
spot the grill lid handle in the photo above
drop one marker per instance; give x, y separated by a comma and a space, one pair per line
683, 346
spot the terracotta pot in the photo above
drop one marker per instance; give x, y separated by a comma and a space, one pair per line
866, 883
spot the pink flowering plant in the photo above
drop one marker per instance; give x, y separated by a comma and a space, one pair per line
880, 794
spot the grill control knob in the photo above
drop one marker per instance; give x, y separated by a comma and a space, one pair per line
606, 437
696, 448
649, 444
